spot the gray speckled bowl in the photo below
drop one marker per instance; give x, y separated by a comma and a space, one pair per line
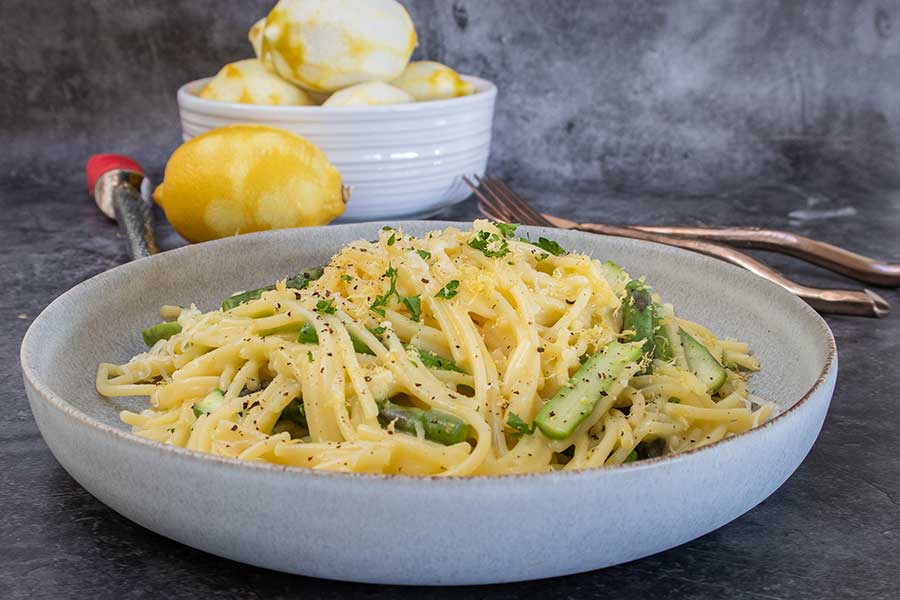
401, 529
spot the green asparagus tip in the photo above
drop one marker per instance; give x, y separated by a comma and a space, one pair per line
160, 331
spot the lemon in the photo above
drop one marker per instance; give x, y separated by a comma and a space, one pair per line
327, 45
372, 93
249, 82
255, 36
428, 80
244, 178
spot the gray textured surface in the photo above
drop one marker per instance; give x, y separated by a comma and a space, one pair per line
787, 111
830, 531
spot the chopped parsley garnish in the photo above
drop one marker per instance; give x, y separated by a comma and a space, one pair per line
359, 346
507, 229
347, 277
490, 244
392, 239
381, 302
387, 228
549, 246
414, 304
519, 426
301, 280
433, 361
448, 291
307, 335
425, 254
309, 356
633, 456
326, 306
675, 400
378, 330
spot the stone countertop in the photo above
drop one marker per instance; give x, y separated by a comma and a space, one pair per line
831, 531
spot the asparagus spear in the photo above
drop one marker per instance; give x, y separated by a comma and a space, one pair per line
212, 402
295, 411
570, 406
641, 315
160, 331
438, 426
702, 363
431, 360
297, 282
661, 347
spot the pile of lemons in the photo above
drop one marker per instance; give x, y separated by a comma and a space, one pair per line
245, 178
335, 53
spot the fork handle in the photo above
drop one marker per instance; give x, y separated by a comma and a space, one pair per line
823, 254
863, 303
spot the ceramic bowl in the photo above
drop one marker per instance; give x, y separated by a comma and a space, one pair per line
399, 529
400, 160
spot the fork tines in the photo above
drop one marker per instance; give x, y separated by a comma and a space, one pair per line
499, 202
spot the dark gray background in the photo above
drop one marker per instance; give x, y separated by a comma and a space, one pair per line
780, 114
692, 97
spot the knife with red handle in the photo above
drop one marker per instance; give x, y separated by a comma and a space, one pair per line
115, 183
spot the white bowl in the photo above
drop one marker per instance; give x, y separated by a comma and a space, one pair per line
400, 160
398, 529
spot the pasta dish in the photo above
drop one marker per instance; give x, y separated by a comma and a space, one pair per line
475, 352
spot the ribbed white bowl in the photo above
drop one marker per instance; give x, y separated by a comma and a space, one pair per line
400, 161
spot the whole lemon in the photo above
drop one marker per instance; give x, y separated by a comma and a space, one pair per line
249, 82
327, 45
429, 80
372, 93
244, 178
255, 36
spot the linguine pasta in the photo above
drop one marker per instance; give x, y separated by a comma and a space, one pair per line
460, 353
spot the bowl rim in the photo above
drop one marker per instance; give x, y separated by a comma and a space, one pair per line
485, 92
125, 436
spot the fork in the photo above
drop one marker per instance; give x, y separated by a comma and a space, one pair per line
499, 202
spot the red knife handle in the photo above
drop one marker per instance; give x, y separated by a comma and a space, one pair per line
99, 164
